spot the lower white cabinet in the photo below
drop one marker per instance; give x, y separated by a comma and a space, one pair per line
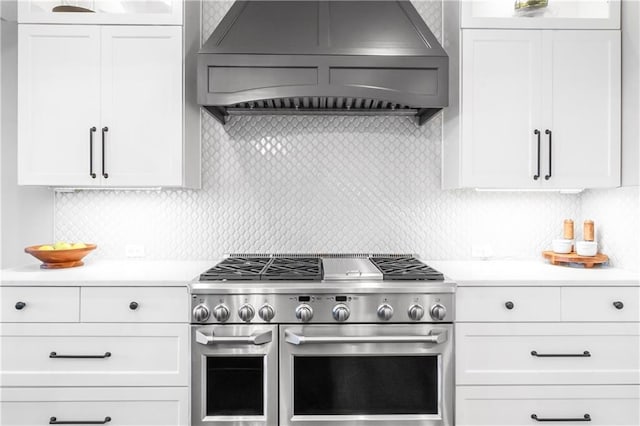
515, 405
122, 406
549, 353
95, 355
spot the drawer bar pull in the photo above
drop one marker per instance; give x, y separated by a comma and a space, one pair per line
585, 418
55, 421
585, 354
55, 355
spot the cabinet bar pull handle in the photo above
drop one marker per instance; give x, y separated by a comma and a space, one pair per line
91, 132
105, 129
55, 355
537, 175
585, 418
55, 421
548, 132
585, 354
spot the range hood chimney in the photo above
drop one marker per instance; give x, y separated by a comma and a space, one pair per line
322, 58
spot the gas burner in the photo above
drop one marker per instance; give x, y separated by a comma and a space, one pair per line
236, 268
405, 268
285, 268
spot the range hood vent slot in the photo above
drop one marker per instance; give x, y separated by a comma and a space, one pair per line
322, 58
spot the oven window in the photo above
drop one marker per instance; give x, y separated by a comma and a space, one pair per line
375, 385
235, 386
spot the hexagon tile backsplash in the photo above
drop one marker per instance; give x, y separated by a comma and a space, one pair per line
321, 184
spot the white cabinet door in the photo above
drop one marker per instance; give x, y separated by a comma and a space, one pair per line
58, 103
142, 105
583, 114
501, 108
124, 406
514, 405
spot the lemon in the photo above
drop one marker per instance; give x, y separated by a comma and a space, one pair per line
46, 248
61, 245
78, 245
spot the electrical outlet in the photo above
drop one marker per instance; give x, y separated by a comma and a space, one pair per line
134, 250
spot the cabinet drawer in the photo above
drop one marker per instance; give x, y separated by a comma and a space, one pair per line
135, 304
600, 304
493, 303
124, 406
514, 405
527, 354
109, 355
39, 304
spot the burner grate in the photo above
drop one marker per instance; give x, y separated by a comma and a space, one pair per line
236, 268
303, 268
405, 268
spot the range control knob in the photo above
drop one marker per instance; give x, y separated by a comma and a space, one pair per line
221, 312
341, 312
266, 312
438, 312
246, 312
201, 313
416, 312
385, 312
304, 312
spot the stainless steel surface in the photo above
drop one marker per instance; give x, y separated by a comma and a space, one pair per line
363, 307
438, 312
432, 337
442, 350
347, 269
341, 312
385, 312
304, 312
199, 354
246, 312
221, 313
416, 312
254, 339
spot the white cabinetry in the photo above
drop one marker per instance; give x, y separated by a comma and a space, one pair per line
529, 351
535, 101
100, 105
133, 367
165, 12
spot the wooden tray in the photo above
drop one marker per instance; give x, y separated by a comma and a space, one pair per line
587, 261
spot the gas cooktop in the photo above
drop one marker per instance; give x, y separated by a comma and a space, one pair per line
321, 267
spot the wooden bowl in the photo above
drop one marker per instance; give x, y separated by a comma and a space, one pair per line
57, 259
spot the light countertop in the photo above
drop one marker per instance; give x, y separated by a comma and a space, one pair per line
531, 273
178, 273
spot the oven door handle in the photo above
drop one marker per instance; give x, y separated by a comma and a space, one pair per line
257, 339
297, 339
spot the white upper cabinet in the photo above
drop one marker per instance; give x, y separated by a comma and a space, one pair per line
58, 104
100, 106
540, 109
501, 107
150, 12
142, 105
558, 14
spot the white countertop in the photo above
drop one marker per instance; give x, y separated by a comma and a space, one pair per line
531, 273
178, 273
110, 272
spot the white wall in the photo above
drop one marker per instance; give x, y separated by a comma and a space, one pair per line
26, 213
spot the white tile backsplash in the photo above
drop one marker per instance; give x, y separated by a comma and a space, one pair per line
323, 184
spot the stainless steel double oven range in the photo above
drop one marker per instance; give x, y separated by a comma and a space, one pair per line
316, 340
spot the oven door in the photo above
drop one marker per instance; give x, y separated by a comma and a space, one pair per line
234, 375
399, 375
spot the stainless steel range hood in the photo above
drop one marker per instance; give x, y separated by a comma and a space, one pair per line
323, 57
